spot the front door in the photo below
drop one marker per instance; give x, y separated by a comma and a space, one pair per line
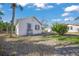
29, 29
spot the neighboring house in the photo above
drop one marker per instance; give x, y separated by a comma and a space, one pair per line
48, 29
28, 26
73, 28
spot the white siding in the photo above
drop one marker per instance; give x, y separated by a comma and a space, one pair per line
74, 28
21, 27
36, 31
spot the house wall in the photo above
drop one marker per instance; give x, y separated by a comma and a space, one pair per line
74, 28
36, 31
21, 27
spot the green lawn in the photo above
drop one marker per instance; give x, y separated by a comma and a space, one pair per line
74, 39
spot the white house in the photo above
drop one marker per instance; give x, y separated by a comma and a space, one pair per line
48, 29
28, 26
73, 28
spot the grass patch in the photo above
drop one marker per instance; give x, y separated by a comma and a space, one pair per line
72, 39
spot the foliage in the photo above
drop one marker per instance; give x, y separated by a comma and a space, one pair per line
77, 18
1, 13
5, 26
61, 38
2, 25
60, 28
65, 38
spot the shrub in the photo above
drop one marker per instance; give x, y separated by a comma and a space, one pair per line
60, 29
61, 38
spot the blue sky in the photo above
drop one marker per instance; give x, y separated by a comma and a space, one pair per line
49, 12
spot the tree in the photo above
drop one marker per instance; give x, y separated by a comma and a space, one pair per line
13, 6
60, 29
1, 26
6, 27
1, 13
1, 22
45, 24
77, 18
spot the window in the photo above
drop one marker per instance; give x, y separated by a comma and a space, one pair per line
37, 27
71, 28
29, 26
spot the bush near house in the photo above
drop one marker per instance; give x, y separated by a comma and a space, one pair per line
60, 29
5, 27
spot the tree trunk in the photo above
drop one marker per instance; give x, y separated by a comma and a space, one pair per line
12, 21
7, 29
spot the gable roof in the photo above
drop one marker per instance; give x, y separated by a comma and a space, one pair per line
73, 24
21, 19
37, 19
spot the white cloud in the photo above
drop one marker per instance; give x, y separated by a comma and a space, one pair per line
72, 8
66, 19
22, 2
69, 19
65, 14
40, 6
50, 6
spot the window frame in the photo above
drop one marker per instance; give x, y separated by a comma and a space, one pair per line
37, 27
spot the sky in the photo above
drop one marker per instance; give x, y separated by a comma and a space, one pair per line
48, 12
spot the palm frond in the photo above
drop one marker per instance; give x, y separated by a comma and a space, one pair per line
0, 18
21, 8
77, 18
1, 13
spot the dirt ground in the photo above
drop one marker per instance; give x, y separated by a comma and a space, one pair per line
36, 46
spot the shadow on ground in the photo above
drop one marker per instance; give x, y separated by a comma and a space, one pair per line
20, 48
